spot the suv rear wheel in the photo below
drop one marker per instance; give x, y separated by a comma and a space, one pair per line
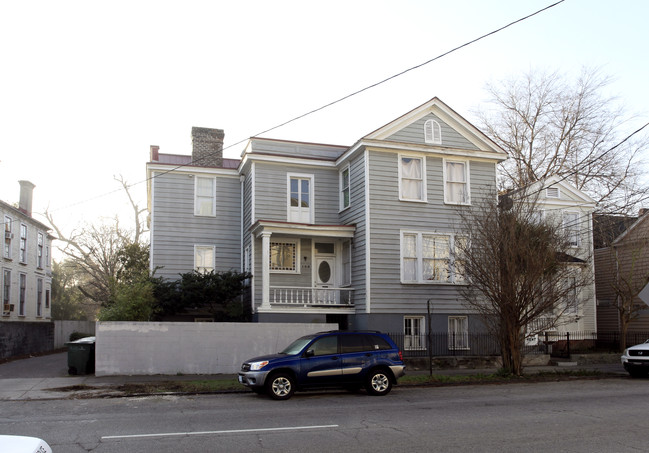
280, 386
378, 383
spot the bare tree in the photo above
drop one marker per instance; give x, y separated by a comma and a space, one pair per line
550, 126
96, 251
625, 264
521, 280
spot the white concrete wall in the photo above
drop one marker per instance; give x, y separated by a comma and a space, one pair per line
63, 329
147, 348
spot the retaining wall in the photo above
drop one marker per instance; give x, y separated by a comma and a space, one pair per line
25, 338
63, 329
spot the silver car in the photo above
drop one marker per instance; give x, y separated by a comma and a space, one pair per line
636, 359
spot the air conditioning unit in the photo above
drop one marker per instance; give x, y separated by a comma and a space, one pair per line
9, 235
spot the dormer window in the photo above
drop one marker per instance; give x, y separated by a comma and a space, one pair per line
432, 132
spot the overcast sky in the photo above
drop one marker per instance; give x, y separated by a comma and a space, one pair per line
87, 86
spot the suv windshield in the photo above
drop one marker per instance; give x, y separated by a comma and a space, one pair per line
297, 345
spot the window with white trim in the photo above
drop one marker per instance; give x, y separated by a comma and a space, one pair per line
458, 332
414, 332
571, 228
412, 178
432, 132
430, 258
300, 198
39, 251
39, 297
205, 197
456, 182
345, 200
8, 237
23, 292
571, 302
284, 257
204, 258
23, 243
6, 292
246, 259
347, 263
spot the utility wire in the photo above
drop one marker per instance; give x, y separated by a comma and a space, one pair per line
337, 101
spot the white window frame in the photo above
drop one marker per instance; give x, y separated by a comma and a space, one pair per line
345, 188
414, 333
199, 199
422, 180
22, 293
8, 237
6, 292
23, 243
297, 214
295, 269
203, 248
460, 326
466, 182
39, 250
432, 132
453, 276
39, 298
572, 303
573, 230
346, 261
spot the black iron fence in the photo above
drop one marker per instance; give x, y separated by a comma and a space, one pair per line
558, 344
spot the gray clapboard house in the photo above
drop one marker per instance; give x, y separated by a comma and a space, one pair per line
362, 235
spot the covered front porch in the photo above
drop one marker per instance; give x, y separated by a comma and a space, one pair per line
304, 268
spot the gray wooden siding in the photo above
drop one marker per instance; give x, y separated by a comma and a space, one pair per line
389, 216
177, 229
294, 149
355, 214
414, 133
271, 192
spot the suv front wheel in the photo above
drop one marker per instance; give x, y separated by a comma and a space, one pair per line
378, 383
280, 386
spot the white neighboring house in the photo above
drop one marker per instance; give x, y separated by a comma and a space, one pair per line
563, 203
26, 262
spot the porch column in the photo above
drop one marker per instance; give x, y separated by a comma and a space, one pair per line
265, 271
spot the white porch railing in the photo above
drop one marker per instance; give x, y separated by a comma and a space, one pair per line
311, 296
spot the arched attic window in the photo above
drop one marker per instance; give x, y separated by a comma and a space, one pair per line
432, 132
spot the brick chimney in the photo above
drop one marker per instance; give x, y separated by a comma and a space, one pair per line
26, 195
207, 147
154, 155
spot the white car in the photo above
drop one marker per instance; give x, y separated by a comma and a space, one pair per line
23, 444
636, 359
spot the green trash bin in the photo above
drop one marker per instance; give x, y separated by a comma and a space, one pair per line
81, 356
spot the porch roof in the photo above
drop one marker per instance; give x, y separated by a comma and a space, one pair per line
302, 229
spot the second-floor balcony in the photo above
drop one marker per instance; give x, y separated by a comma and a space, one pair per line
301, 296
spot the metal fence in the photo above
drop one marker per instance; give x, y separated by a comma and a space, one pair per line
558, 344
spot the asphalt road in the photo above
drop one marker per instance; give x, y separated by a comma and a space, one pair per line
606, 415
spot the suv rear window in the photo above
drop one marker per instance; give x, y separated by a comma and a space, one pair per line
361, 343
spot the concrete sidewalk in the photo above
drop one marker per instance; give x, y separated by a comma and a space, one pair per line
34, 378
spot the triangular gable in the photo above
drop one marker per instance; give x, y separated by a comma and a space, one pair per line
642, 219
456, 131
567, 192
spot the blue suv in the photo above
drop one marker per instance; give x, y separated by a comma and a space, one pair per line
347, 359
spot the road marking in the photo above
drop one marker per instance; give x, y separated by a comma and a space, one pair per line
229, 431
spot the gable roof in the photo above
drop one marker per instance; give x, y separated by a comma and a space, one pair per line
643, 218
564, 186
449, 116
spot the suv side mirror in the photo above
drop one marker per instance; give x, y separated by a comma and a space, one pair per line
309, 353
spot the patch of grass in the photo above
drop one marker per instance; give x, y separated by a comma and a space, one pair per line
498, 377
198, 386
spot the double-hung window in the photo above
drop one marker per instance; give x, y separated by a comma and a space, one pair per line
23, 243
284, 257
205, 197
431, 258
458, 332
344, 188
22, 294
456, 182
347, 263
300, 198
39, 297
8, 237
412, 178
6, 292
39, 252
414, 330
204, 258
571, 228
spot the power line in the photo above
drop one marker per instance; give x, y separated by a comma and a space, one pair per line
337, 101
